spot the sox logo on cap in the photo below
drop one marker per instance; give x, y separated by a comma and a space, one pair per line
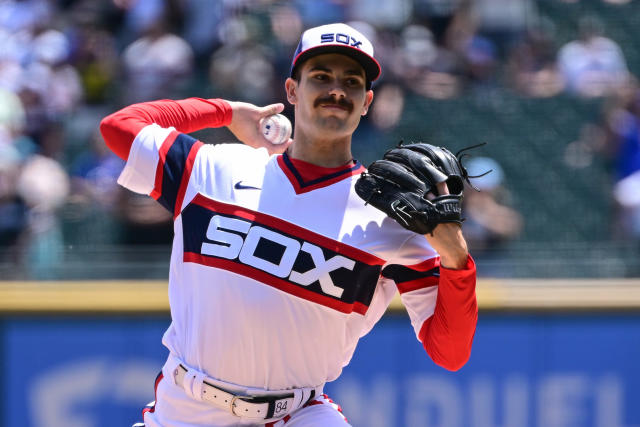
340, 38
337, 38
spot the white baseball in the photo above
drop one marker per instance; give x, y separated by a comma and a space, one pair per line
276, 128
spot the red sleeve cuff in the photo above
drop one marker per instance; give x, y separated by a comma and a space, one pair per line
227, 111
447, 335
467, 271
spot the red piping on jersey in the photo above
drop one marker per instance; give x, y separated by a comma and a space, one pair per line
299, 189
270, 280
274, 423
426, 265
310, 172
447, 335
292, 229
162, 158
155, 399
186, 174
423, 282
413, 285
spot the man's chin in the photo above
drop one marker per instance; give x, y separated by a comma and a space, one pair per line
333, 123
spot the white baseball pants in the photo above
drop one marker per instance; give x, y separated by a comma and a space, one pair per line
173, 408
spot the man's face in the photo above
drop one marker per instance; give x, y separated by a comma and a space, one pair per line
330, 96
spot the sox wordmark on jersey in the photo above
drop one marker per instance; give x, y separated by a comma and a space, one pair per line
279, 254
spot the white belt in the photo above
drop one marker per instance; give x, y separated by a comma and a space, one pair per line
252, 403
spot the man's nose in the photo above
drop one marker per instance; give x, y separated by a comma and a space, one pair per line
337, 91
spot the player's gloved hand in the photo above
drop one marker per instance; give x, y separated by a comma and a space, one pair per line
404, 185
245, 125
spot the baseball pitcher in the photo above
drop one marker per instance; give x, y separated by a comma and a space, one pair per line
284, 255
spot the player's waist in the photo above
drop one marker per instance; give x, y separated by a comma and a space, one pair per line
241, 401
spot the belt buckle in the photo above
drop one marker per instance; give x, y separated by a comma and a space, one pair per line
233, 404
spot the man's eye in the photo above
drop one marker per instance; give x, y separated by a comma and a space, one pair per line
353, 82
321, 77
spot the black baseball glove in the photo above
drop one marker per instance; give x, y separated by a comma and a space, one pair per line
398, 185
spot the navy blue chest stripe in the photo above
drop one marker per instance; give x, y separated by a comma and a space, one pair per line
304, 183
174, 167
399, 273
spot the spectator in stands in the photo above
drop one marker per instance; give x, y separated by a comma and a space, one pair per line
286, 26
31, 88
141, 220
13, 211
94, 194
12, 115
427, 69
43, 185
473, 57
386, 14
61, 85
157, 65
592, 65
242, 67
531, 66
438, 15
503, 22
491, 222
13, 150
626, 193
202, 22
623, 122
376, 132
94, 52
20, 17
582, 152
320, 12
481, 62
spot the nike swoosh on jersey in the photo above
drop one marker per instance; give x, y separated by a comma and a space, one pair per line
240, 186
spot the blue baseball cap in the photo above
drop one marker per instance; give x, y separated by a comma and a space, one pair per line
337, 38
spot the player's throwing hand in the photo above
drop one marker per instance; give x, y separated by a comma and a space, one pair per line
245, 125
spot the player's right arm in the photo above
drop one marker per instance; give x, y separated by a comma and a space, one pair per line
120, 129
153, 138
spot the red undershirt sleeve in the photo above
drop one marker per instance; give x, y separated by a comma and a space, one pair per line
189, 115
447, 335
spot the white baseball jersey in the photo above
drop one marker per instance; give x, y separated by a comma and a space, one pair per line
273, 279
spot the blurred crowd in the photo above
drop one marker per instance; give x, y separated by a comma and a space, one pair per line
65, 64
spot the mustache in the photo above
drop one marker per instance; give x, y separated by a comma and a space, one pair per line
330, 100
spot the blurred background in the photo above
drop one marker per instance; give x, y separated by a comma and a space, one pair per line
550, 85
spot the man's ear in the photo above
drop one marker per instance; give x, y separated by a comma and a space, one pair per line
367, 102
291, 87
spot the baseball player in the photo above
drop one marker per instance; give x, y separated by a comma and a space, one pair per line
278, 265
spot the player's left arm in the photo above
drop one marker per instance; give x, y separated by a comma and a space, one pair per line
412, 184
447, 335
439, 293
